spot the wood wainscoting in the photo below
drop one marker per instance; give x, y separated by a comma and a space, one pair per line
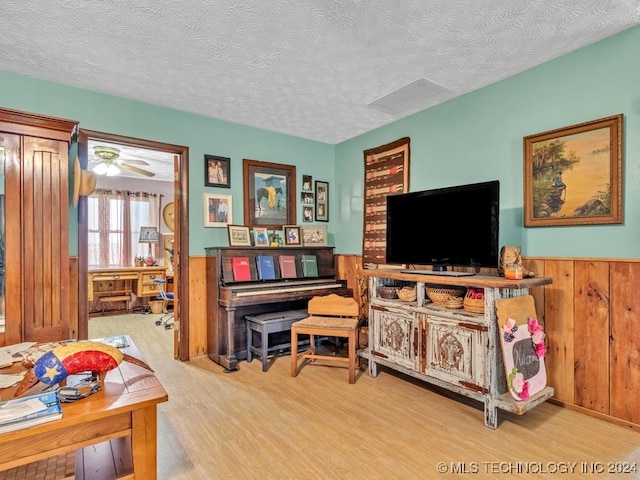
590, 314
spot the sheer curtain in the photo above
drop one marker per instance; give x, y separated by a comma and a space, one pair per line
115, 218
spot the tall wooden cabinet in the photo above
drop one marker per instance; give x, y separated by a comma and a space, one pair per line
453, 349
36, 194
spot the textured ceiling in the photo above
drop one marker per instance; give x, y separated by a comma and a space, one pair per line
316, 69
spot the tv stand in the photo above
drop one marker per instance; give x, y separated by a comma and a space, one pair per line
457, 350
440, 273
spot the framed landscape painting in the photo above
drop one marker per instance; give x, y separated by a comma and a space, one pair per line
573, 175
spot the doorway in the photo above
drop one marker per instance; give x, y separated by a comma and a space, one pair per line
179, 155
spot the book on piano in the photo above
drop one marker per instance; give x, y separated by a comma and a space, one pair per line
288, 266
241, 269
266, 267
309, 265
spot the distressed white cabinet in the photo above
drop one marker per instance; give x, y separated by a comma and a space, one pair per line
451, 348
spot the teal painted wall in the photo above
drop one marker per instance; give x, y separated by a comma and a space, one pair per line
479, 137
202, 135
472, 138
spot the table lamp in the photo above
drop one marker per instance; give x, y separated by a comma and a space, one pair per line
149, 235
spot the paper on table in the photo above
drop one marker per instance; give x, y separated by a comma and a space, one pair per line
10, 379
18, 410
18, 347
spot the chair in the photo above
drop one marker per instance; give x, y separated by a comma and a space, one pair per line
166, 297
330, 316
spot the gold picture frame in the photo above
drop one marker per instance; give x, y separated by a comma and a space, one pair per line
239, 236
573, 175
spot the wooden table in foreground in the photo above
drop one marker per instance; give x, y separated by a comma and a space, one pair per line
126, 406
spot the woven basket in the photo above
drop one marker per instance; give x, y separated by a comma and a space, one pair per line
473, 305
408, 294
453, 302
446, 295
387, 292
474, 300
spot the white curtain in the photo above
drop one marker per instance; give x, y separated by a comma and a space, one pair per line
115, 218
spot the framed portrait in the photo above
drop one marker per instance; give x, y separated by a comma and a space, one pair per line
239, 236
314, 236
307, 214
217, 210
168, 251
322, 201
260, 236
292, 236
269, 194
306, 183
573, 175
217, 172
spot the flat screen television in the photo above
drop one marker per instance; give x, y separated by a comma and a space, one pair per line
444, 227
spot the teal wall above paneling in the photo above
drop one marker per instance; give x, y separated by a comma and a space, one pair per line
201, 135
475, 137
479, 137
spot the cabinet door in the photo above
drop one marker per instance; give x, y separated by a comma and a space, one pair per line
45, 237
455, 353
395, 337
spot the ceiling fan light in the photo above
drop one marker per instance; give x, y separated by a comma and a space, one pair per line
112, 170
100, 169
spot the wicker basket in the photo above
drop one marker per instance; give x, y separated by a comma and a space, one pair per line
446, 295
473, 305
408, 294
387, 292
474, 300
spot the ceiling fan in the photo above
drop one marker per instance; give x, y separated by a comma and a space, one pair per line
109, 162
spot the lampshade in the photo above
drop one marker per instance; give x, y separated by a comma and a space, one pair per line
148, 235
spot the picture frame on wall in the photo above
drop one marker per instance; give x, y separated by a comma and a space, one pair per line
269, 194
315, 236
239, 236
260, 236
306, 183
292, 236
217, 210
573, 175
217, 171
322, 201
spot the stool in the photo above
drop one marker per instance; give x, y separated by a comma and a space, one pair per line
265, 324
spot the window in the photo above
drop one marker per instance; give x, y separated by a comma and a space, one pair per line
114, 220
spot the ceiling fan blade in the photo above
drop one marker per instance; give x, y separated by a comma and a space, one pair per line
136, 162
131, 168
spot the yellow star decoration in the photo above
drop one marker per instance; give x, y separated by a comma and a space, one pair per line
52, 372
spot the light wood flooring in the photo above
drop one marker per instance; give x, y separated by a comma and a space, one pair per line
254, 424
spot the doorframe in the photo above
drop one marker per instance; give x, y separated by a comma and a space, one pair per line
181, 257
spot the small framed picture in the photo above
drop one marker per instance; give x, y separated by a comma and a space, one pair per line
239, 236
307, 214
314, 236
217, 210
322, 201
260, 237
306, 183
217, 172
292, 235
306, 198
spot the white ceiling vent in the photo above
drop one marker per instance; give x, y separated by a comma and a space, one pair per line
412, 98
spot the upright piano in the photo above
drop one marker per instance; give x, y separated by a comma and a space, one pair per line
229, 301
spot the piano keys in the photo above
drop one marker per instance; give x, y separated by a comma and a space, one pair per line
228, 301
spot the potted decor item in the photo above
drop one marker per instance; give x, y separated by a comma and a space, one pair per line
138, 261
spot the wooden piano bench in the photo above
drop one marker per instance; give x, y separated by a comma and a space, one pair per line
266, 324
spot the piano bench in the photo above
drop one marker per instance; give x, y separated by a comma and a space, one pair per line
266, 324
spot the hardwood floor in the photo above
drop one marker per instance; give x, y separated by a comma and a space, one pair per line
254, 424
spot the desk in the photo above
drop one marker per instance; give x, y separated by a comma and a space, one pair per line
119, 283
126, 406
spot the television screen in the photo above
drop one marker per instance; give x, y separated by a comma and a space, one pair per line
452, 226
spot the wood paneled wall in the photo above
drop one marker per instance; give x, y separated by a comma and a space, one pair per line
591, 314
